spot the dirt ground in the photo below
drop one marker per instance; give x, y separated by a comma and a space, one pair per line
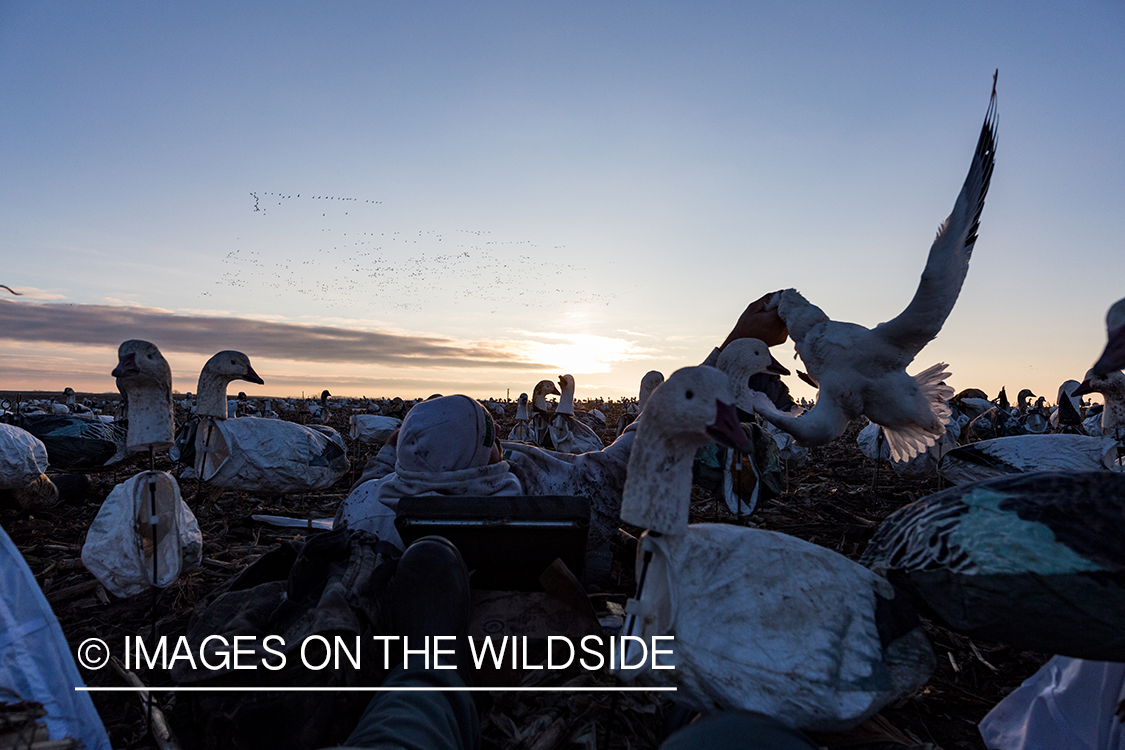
830, 502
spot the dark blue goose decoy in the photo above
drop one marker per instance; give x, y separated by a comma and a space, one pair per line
1032, 560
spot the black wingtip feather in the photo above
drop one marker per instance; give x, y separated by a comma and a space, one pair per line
985, 156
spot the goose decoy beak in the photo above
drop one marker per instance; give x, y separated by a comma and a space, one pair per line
1083, 388
126, 365
252, 376
808, 379
726, 429
776, 367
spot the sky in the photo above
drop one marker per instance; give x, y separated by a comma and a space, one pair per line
434, 197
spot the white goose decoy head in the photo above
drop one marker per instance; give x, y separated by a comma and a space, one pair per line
521, 408
539, 395
220, 370
695, 405
741, 360
144, 376
1113, 357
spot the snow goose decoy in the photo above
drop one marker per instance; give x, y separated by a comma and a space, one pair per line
649, 383
569, 434
741, 360
1036, 421
1112, 388
1033, 560
23, 461
521, 432
992, 423
254, 454
144, 535
1067, 415
1024, 454
1113, 357
762, 621
77, 441
742, 473
863, 371
540, 422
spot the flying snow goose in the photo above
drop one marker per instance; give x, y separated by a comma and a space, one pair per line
1113, 357
1032, 560
763, 621
863, 371
568, 434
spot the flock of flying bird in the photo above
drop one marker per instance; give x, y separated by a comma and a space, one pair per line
352, 263
832, 639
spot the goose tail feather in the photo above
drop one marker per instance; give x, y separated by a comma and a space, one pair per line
913, 439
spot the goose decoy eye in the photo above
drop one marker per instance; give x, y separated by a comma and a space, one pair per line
689, 395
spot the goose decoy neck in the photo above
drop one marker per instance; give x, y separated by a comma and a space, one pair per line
695, 405
566, 398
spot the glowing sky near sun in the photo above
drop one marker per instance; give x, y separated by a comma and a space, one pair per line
403, 199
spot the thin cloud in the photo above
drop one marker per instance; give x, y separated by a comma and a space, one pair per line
109, 325
115, 302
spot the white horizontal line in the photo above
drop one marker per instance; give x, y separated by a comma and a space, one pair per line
288, 689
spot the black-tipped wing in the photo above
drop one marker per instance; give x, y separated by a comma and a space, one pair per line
948, 262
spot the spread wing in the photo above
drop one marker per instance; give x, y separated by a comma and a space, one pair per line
948, 262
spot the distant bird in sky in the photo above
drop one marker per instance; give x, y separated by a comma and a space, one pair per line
863, 371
